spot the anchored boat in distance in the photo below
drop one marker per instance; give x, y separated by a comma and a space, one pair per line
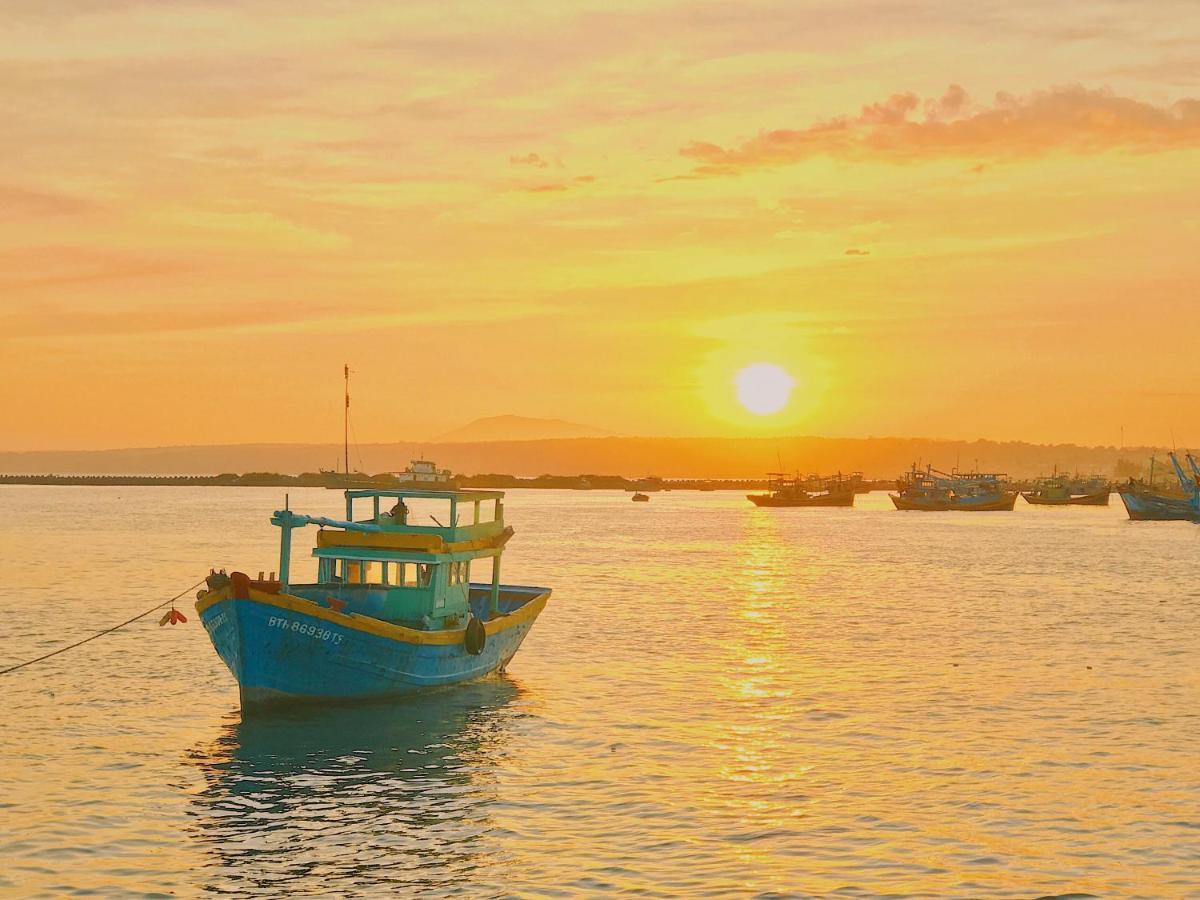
423, 474
1145, 502
815, 490
393, 608
929, 490
1061, 490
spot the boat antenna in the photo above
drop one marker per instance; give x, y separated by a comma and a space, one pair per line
346, 427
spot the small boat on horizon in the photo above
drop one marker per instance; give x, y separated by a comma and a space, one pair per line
393, 608
793, 491
934, 491
424, 475
639, 497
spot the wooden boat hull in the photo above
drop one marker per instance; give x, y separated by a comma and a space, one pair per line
282, 647
1143, 507
1002, 503
843, 499
1099, 498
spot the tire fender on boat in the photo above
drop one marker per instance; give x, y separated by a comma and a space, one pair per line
475, 637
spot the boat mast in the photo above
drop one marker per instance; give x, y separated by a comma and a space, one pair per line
346, 427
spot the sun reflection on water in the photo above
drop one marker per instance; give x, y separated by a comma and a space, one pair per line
718, 700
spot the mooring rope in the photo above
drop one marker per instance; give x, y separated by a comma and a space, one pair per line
101, 633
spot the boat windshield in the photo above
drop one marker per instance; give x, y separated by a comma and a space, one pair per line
378, 573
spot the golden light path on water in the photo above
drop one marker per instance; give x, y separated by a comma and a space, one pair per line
718, 699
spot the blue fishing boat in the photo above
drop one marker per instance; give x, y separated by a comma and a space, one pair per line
1146, 503
934, 491
1147, 506
393, 608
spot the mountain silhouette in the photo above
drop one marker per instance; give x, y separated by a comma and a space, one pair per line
517, 428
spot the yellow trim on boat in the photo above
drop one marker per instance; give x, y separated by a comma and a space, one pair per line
432, 543
528, 611
427, 543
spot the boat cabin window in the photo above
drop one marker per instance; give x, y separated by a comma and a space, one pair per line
390, 574
353, 571
460, 573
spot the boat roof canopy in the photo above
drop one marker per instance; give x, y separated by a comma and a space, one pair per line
459, 496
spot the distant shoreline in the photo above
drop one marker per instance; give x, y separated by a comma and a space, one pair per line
736, 461
334, 482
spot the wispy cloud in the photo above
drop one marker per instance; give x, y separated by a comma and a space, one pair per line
559, 186
22, 203
530, 159
906, 127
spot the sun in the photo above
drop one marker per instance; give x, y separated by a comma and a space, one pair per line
763, 388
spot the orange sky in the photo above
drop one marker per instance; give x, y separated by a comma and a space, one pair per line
944, 219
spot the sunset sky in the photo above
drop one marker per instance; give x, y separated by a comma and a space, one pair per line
941, 219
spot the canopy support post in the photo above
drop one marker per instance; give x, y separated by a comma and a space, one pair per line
494, 601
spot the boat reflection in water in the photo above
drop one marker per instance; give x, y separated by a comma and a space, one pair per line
369, 796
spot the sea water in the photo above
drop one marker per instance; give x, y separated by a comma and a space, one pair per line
717, 700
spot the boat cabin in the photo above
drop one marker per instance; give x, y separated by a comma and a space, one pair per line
404, 556
425, 473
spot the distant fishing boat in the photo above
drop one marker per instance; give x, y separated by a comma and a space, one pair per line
1146, 503
393, 608
1147, 506
790, 491
651, 485
639, 497
424, 475
934, 491
420, 474
1059, 490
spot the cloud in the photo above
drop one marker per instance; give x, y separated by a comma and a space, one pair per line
529, 159
557, 186
906, 128
22, 203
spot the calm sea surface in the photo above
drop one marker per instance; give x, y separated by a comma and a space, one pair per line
718, 700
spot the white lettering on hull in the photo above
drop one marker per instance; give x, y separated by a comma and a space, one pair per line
315, 631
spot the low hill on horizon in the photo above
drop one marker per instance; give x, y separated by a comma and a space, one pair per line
882, 458
517, 428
